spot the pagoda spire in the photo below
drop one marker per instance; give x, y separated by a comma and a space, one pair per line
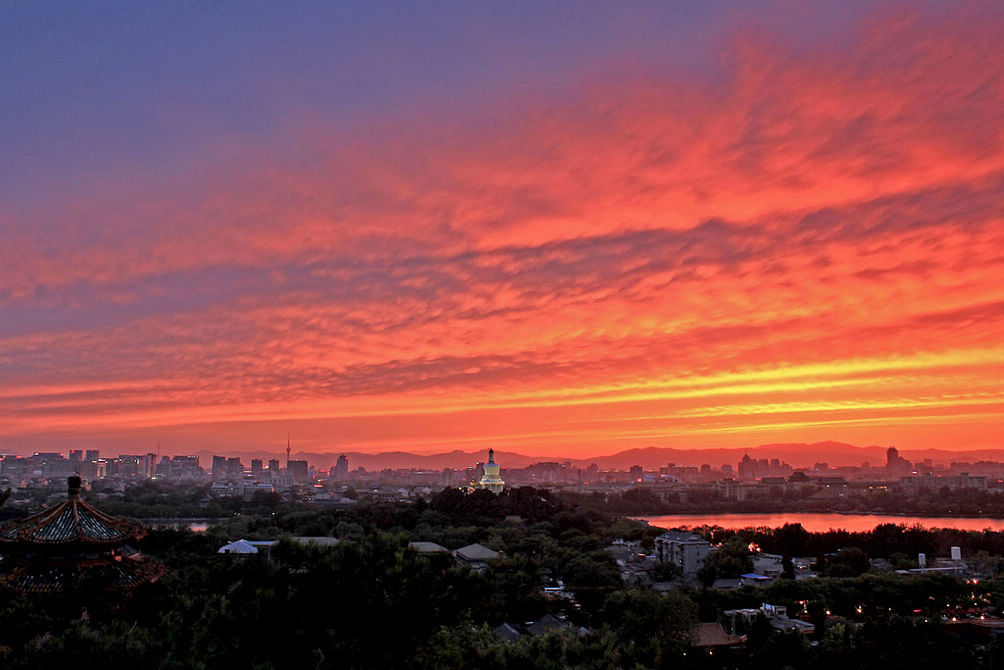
491, 478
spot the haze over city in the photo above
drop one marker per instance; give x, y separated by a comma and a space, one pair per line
558, 230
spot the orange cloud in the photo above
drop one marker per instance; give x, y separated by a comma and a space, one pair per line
806, 245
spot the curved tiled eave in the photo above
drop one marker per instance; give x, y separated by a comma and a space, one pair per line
70, 522
54, 578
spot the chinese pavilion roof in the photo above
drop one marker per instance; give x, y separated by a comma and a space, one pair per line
70, 523
71, 545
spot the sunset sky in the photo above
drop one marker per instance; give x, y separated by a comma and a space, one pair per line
555, 228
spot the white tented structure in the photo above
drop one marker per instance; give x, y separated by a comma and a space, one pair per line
246, 547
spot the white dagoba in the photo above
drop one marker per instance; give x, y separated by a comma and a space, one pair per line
490, 479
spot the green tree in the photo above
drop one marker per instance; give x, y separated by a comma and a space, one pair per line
652, 628
849, 562
731, 559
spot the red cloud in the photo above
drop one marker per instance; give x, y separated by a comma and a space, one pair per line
831, 213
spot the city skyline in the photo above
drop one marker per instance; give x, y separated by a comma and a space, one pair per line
799, 456
561, 230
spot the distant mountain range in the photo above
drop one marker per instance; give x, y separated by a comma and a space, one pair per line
650, 458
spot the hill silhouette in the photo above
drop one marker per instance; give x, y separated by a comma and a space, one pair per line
797, 454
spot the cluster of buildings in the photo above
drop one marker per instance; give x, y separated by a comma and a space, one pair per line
762, 479
749, 479
46, 471
688, 551
230, 478
90, 465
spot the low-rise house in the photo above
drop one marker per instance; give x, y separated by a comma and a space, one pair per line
799, 482
546, 624
639, 571
623, 552
725, 583
780, 482
223, 489
710, 635
739, 621
507, 632
913, 484
770, 565
475, 556
428, 548
753, 579
835, 485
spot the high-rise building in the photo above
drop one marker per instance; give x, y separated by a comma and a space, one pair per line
341, 472
185, 467
299, 470
219, 467
76, 455
92, 455
128, 465
256, 467
149, 465
895, 463
234, 467
273, 465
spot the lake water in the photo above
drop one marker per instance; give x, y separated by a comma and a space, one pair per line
817, 523
194, 526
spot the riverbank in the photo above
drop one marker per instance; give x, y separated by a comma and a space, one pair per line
819, 522
198, 525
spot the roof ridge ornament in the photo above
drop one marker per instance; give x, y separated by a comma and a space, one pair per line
73, 487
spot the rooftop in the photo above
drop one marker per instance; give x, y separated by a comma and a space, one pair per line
713, 635
428, 548
676, 536
476, 552
71, 522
